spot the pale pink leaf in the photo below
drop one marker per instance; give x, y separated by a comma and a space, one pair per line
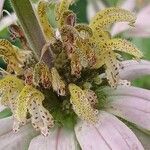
59, 139
142, 24
123, 26
93, 7
6, 125
128, 5
134, 69
108, 133
17, 141
132, 104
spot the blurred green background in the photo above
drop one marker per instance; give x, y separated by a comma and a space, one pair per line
80, 8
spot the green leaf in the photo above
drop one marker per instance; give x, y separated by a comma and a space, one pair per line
111, 2
79, 7
144, 45
5, 113
51, 14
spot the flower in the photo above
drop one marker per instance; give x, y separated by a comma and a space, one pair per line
141, 27
66, 103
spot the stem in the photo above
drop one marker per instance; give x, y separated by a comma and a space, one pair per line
106, 3
1, 7
32, 30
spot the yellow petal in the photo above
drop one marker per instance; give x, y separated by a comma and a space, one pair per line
10, 87
84, 30
76, 66
42, 75
124, 46
112, 69
81, 105
62, 10
40, 117
108, 58
11, 56
69, 33
22, 102
99, 36
64, 5
43, 18
111, 15
91, 96
82, 52
67, 18
31, 99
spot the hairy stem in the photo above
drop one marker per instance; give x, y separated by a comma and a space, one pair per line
32, 30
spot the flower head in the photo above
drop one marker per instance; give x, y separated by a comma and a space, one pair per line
57, 96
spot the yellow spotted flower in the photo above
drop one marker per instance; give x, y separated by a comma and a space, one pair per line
74, 84
81, 104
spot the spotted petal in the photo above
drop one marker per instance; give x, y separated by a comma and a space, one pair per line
108, 133
47, 28
111, 15
59, 139
124, 46
122, 26
141, 26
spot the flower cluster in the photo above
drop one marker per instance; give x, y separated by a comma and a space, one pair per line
82, 53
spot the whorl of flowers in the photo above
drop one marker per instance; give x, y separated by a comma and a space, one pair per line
82, 53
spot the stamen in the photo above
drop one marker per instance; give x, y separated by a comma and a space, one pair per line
57, 83
41, 119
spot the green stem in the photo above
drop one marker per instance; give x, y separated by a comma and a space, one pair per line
32, 30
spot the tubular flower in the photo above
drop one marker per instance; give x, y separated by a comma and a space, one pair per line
84, 90
42, 75
81, 104
43, 18
141, 8
12, 56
